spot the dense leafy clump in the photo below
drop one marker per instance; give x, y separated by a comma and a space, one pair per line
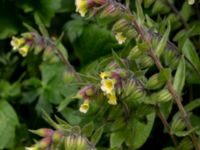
99, 74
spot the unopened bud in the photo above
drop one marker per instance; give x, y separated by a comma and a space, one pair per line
57, 136
44, 143
111, 11
164, 96
146, 62
154, 83
133, 90
43, 132
27, 35
81, 143
68, 76
120, 25
134, 53
70, 143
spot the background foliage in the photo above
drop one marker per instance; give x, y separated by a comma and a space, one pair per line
32, 84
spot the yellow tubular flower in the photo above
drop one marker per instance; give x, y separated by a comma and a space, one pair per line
24, 50
108, 85
17, 42
84, 107
120, 38
81, 7
112, 99
104, 75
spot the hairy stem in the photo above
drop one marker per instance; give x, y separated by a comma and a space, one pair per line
166, 125
170, 87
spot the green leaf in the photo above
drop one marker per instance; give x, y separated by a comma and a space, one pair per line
88, 129
117, 138
179, 79
190, 52
185, 144
192, 105
118, 59
163, 42
140, 131
97, 135
185, 133
8, 123
140, 13
41, 26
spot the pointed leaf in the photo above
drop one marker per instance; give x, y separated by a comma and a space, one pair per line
163, 42
118, 59
88, 129
140, 13
97, 135
117, 138
190, 52
185, 133
179, 79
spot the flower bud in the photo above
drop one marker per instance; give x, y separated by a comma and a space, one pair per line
111, 11
120, 25
154, 83
70, 142
134, 53
44, 143
68, 76
27, 35
134, 90
81, 143
146, 62
57, 136
163, 96
43, 132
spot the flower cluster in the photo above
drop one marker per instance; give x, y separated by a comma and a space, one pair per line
23, 44
110, 83
49, 136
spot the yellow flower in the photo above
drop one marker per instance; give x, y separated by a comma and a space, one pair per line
84, 107
81, 7
108, 85
112, 99
120, 38
104, 75
17, 42
24, 50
